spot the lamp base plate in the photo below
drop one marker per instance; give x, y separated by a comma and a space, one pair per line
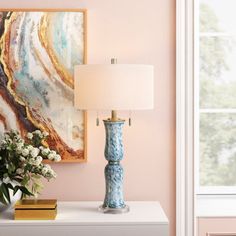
109, 210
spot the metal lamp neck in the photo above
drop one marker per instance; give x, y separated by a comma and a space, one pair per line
114, 115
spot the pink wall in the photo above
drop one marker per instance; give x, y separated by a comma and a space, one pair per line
134, 31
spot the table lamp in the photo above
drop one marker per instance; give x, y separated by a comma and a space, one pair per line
113, 87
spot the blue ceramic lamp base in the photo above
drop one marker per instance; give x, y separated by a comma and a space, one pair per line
114, 151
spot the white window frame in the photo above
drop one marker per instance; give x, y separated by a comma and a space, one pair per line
204, 190
187, 191
185, 194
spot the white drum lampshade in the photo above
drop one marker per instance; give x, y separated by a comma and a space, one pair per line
113, 87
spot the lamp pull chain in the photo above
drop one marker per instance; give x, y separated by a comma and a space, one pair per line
130, 123
113, 61
97, 120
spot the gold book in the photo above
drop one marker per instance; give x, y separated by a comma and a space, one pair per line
42, 209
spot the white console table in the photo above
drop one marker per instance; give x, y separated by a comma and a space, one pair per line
83, 219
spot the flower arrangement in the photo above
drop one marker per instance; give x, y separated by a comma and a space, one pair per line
21, 166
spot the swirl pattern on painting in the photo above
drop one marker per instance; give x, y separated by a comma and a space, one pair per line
38, 51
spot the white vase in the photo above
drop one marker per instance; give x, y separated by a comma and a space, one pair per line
14, 199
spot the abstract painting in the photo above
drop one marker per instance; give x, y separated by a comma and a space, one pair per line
38, 51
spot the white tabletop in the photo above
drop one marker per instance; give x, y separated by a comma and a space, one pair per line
84, 213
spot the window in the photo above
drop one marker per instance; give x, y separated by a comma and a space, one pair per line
215, 96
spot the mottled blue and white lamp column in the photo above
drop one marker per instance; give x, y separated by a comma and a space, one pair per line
114, 152
114, 87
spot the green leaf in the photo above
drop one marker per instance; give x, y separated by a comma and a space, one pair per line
25, 180
24, 190
19, 180
15, 190
2, 199
35, 176
9, 186
5, 192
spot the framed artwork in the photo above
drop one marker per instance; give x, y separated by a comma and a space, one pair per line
38, 51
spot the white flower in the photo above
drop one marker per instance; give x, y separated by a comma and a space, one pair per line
34, 152
9, 141
6, 180
37, 162
30, 147
38, 132
3, 142
45, 151
41, 148
48, 172
22, 158
31, 161
16, 139
53, 152
19, 171
30, 136
25, 152
51, 156
20, 140
44, 170
39, 159
47, 166
18, 150
57, 158
20, 145
54, 175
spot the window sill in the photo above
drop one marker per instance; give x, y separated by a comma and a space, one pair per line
216, 205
